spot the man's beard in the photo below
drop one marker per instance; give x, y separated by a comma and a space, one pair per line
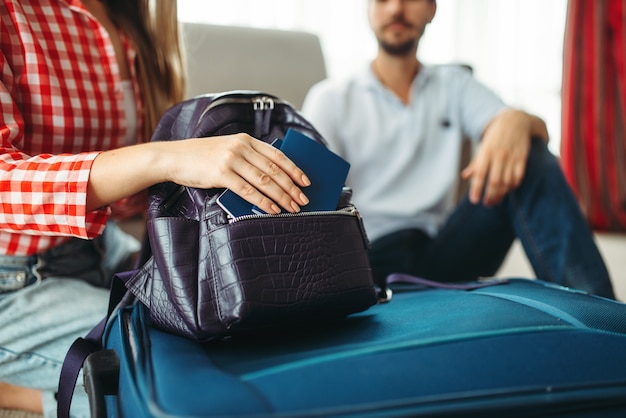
402, 49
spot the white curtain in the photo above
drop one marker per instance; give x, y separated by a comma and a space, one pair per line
514, 46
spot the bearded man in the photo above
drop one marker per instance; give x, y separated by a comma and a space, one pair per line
401, 125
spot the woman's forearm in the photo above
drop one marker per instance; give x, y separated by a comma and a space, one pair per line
123, 172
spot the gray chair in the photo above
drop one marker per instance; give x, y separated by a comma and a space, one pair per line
279, 62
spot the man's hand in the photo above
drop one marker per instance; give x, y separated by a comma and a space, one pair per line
500, 161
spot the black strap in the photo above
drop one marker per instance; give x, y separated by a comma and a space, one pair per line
385, 294
408, 279
83, 347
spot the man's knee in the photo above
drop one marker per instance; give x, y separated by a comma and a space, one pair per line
543, 166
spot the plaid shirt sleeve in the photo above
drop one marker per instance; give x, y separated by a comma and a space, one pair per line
60, 105
43, 194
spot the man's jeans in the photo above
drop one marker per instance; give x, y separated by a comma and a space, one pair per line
542, 212
49, 300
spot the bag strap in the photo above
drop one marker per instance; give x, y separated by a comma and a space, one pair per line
83, 347
384, 295
409, 279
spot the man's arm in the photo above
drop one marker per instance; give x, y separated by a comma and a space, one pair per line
500, 162
321, 107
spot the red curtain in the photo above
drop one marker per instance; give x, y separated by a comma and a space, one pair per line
593, 145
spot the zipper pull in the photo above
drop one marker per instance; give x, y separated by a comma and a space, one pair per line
263, 107
366, 240
268, 103
263, 103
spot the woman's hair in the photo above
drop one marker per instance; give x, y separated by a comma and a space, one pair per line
152, 25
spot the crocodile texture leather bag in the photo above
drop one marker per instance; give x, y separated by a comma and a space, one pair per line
207, 276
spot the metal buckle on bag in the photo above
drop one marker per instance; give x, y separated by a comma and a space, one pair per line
384, 295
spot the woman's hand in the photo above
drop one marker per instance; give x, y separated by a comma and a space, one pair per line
255, 170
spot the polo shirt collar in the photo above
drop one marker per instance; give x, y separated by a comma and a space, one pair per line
368, 79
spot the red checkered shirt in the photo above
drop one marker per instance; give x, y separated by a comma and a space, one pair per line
60, 104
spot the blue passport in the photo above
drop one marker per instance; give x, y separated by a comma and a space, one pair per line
326, 170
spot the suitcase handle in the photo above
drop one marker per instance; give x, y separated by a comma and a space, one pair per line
101, 373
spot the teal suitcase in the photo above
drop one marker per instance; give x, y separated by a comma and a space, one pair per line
520, 349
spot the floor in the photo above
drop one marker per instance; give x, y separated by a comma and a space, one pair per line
612, 247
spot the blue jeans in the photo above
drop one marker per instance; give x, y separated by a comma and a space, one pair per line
49, 300
542, 212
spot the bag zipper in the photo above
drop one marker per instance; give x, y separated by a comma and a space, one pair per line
348, 211
258, 103
351, 211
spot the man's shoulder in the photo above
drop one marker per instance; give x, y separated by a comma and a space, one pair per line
451, 78
449, 72
342, 85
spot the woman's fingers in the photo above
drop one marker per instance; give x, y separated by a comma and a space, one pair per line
282, 171
279, 163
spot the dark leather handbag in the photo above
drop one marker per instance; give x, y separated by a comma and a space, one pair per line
206, 276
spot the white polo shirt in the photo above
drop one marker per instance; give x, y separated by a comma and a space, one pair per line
404, 158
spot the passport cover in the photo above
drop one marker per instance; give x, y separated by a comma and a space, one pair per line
326, 170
